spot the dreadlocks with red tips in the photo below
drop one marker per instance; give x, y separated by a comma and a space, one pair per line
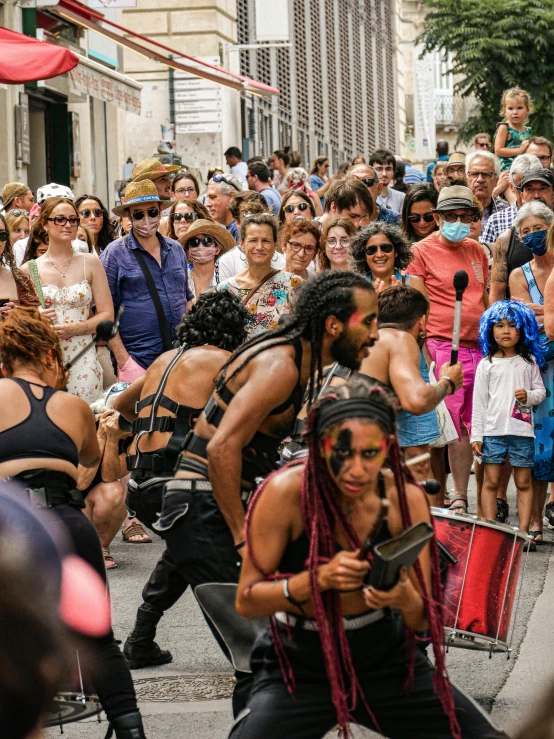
321, 513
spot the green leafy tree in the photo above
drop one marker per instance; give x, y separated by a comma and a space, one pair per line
496, 44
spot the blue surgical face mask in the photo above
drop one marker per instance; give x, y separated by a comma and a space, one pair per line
536, 242
456, 231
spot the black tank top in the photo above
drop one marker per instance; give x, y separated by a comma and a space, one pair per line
37, 435
297, 551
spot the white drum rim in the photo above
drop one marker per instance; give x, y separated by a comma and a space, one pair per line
476, 642
477, 520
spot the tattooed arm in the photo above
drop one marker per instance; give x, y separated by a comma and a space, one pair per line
499, 274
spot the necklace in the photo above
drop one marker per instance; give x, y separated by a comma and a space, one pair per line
59, 269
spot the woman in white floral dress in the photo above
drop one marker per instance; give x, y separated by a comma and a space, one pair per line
267, 293
68, 284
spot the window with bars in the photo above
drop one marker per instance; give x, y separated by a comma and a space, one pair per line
331, 70
390, 76
320, 100
369, 45
301, 61
345, 51
242, 36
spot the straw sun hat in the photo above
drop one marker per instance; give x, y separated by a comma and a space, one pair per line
143, 192
219, 233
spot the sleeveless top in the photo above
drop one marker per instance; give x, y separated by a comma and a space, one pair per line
297, 551
37, 435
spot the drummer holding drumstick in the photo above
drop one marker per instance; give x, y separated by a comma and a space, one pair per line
508, 384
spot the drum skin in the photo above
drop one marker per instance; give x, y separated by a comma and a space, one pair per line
491, 573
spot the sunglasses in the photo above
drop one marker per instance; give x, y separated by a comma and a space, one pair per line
368, 181
188, 217
372, 250
87, 212
222, 178
416, 217
483, 146
138, 215
4, 235
453, 217
201, 241
17, 213
296, 246
298, 206
63, 220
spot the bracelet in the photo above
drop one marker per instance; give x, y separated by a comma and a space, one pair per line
239, 545
85, 332
289, 597
451, 381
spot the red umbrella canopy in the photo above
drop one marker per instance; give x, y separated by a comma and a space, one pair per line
26, 59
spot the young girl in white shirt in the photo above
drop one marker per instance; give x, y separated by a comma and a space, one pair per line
508, 384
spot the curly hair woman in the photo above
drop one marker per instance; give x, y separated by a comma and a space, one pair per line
338, 650
382, 253
15, 287
171, 396
45, 435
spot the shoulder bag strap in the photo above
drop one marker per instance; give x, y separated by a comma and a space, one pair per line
162, 320
33, 269
260, 283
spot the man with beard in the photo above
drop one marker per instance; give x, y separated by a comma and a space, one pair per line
132, 264
257, 397
397, 361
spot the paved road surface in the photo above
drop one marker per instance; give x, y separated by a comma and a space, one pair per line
187, 698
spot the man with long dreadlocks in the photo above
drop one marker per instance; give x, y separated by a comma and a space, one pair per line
257, 396
338, 651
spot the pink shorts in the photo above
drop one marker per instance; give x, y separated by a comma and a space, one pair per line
459, 404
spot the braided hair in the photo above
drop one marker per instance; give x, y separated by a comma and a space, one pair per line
330, 293
322, 513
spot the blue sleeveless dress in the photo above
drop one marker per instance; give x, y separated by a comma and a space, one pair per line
415, 430
544, 412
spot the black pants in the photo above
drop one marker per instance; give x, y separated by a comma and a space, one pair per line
379, 657
202, 548
110, 676
166, 584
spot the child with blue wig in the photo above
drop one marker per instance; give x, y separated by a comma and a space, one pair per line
508, 383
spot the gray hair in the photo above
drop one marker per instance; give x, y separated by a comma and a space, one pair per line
489, 156
535, 208
226, 189
522, 164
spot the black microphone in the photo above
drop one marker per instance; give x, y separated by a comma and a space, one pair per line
461, 280
431, 487
105, 331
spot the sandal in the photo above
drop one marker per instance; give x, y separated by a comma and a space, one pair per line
135, 529
458, 504
537, 537
109, 561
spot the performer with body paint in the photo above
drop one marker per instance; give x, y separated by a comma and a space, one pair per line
338, 651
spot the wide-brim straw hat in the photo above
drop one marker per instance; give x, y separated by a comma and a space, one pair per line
219, 233
143, 193
152, 169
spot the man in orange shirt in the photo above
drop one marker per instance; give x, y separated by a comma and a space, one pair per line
436, 259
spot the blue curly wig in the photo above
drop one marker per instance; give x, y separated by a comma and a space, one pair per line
529, 344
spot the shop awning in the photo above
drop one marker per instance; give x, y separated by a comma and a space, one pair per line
25, 59
84, 16
91, 78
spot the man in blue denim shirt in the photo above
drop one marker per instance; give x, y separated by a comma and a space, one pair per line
140, 341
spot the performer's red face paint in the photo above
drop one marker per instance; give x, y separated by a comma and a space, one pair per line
355, 451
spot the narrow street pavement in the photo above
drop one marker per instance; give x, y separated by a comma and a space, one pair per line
189, 698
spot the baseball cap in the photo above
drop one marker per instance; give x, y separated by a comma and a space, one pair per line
79, 591
11, 191
539, 175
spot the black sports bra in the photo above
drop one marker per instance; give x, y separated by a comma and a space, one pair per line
37, 435
297, 551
